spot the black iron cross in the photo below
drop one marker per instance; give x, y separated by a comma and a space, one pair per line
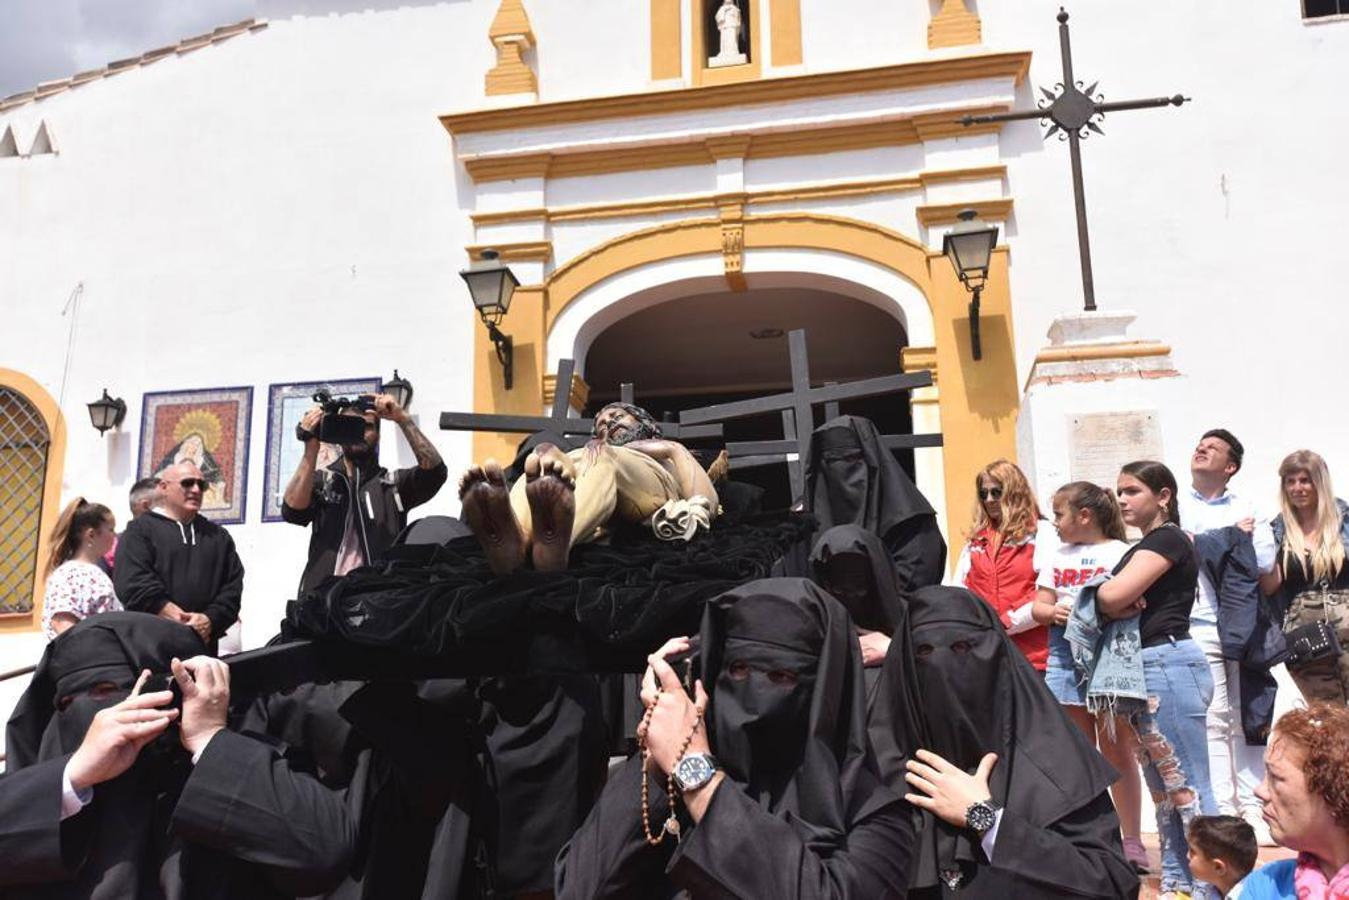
560, 421
798, 418
1071, 113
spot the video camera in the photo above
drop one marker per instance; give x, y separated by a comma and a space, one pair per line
337, 426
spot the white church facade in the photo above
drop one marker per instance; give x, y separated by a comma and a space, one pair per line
290, 200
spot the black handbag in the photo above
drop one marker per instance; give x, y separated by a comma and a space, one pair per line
1316, 641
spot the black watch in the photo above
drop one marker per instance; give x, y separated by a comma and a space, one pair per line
981, 816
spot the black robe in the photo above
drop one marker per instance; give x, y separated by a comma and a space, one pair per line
881, 607
545, 755
401, 754
801, 812
30, 840
851, 478
244, 825
959, 684
240, 823
465, 788
194, 565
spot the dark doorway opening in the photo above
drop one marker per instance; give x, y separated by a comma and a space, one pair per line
715, 348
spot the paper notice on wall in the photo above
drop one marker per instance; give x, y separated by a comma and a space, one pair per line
1099, 443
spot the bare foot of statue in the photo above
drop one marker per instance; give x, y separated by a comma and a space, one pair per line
550, 485
487, 510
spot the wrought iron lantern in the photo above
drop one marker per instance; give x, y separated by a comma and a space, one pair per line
969, 246
107, 412
491, 285
399, 388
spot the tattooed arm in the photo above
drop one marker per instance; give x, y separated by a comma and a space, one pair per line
427, 455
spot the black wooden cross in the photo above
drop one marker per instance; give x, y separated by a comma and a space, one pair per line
560, 421
1071, 113
798, 418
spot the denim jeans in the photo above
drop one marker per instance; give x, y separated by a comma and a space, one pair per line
1173, 748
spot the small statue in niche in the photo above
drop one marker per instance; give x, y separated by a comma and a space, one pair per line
731, 28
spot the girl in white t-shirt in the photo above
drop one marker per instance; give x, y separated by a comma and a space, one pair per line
76, 586
1092, 533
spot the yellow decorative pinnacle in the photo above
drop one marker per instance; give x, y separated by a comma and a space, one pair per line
512, 35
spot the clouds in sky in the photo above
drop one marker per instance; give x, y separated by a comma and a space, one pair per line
45, 39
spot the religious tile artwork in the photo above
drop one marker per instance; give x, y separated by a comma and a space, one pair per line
208, 427
286, 406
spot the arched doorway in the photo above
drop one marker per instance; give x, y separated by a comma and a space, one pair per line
974, 403
718, 346
32, 451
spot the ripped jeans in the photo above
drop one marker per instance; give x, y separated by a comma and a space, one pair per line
1173, 749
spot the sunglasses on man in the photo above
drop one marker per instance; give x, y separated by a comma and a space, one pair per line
188, 484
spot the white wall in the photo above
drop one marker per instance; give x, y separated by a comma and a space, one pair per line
280, 207
1217, 221
862, 33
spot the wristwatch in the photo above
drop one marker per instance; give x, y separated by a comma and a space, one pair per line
980, 816
694, 770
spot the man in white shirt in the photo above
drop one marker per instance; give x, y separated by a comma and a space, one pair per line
1235, 767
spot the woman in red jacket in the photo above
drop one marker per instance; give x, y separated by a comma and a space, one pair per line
1002, 557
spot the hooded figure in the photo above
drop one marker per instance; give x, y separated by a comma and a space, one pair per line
402, 753
852, 479
959, 674
802, 812
851, 564
236, 823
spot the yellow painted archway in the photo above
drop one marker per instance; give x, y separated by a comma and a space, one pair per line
51, 488
978, 400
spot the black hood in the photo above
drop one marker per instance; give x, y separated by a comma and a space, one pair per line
977, 694
882, 608
800, 750
109, 648
852, 479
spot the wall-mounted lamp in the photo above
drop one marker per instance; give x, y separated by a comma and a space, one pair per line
107, 412
969, 246
398, 388
491, 286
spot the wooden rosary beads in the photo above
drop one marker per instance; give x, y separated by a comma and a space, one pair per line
671, 826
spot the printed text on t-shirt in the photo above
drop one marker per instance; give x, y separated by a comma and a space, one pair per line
1073, 577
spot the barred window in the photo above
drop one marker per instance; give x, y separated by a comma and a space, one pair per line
24, 444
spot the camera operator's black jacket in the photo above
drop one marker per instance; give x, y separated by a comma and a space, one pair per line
383, 501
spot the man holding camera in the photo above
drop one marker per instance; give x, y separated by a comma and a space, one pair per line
357, 508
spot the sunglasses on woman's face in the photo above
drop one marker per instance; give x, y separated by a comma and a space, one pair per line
990, 493
190, 483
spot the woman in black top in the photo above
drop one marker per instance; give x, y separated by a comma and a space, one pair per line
1310, 580
1156, 581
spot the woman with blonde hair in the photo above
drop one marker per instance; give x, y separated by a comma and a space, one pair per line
1005, 551
1310, 578
76, 585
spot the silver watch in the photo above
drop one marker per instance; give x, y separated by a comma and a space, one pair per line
694, 770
